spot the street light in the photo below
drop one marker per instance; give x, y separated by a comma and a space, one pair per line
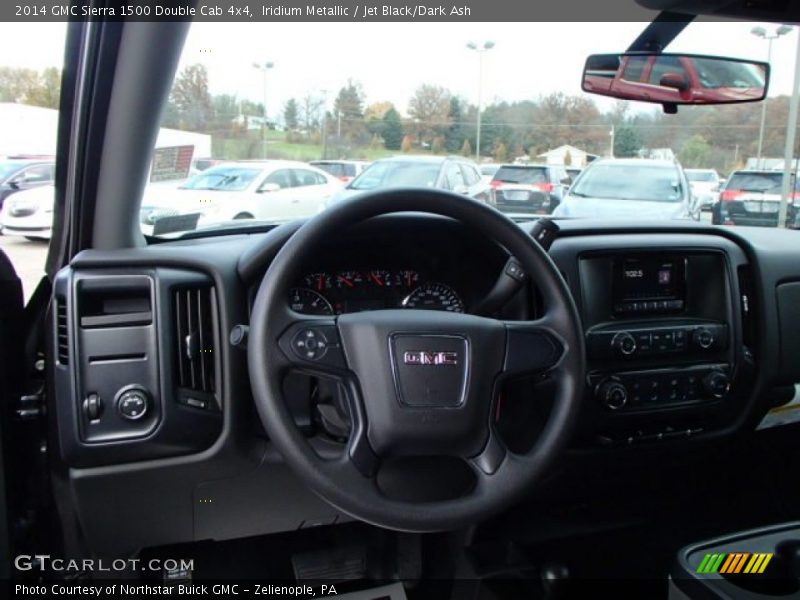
481, 50
264, 67
769, 36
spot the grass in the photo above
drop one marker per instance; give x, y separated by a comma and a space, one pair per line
277, 147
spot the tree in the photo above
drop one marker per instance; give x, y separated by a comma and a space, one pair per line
392, 130
16, 84
374, 115
627, 142
567, 159
406, 145
466, 148
47, 90
310, 107
437, 145
429, 108
695, 152
290, 114
349, 113
376, 143
191, 98
501, 152
454, 133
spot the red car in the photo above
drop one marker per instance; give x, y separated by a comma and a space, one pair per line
674, 79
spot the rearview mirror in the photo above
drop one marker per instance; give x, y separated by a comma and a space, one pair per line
673, 79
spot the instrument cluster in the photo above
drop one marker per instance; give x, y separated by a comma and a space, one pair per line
338, 292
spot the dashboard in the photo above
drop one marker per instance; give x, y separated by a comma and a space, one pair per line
686, 333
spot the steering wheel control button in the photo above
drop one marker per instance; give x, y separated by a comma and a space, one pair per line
310, 344
133, 404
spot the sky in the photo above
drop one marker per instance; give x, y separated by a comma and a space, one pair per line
391, 60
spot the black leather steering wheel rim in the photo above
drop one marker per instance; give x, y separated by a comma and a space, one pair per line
502, 477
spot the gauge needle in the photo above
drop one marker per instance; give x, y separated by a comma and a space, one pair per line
376, 279
346, 281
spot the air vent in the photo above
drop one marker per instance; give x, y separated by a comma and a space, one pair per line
62, 331
195, 311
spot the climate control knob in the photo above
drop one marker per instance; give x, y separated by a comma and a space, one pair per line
716, 384
703, 338
624, 343
612, 394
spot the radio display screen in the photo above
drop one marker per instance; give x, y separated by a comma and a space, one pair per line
649, 279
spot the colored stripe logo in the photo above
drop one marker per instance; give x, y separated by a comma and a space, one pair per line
734, 562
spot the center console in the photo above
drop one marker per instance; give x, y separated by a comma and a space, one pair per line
660, 340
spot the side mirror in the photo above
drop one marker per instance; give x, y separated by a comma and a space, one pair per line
13, 184
461, 189
700, 79
566, 181
269, 187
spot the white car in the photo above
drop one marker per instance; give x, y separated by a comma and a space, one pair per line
29, 213
705, 187
629, 188
272, 191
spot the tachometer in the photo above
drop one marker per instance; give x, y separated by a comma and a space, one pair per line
309, 302
318, 281
434, 296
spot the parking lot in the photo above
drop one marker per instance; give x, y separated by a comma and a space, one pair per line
28, 259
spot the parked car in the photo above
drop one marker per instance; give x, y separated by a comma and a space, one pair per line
705, 187
752, 197
29, 213
488, 170
23, 174
344, 170
629, 188
455, 174
275, 190
529, 189
573, 172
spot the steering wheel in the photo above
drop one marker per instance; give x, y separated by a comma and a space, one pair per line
418, 382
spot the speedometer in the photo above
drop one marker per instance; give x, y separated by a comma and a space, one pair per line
309, 302
434, 296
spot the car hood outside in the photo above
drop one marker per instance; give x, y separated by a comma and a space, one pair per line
605, 208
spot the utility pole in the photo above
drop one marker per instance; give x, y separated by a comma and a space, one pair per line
264, 68
787, 191
481, 50
764, 34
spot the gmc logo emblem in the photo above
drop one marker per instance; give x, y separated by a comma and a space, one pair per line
430, 358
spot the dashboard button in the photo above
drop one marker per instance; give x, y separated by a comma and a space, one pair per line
624, 343
133, 404
703, 338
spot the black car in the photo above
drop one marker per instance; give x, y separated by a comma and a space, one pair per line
24, 174
529, 189
754, 198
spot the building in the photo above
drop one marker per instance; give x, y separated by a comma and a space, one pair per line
769, 164
32, 130
567, 155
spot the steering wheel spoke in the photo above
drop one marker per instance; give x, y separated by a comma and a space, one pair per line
533, 347
488, 461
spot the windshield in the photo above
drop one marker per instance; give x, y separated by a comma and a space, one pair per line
7, 168
718, 73
629, 182
385, 174
522, 175
232, 179
452, 111
756, 182
701, 176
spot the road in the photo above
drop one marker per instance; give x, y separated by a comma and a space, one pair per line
28, 259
